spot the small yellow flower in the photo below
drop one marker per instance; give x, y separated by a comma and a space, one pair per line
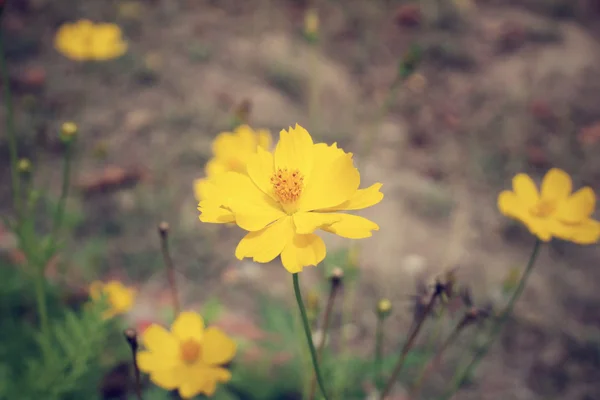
287, 195
554, 211
68, 131
189, 358
84, 41
119, 297
231, 151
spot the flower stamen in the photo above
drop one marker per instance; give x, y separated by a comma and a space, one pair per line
190, 351
543, 209
287, 185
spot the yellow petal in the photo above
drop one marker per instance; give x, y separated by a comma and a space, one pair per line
264, 139
510, 205
586, 232
193, 387
295, 151
202, 189
215, 167
352, 226
556, 185
333, 181
215, 213
308, 222
264, 245
362, 198
525, 189
577, 207
217, 347
303, 251
542, 228
260, 168
152, 362
188, 325
158, 340
168, 379
253, 208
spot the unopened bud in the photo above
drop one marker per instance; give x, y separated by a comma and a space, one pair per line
131, 336
68, 131
24, 166
384, 308
163, 228
337, 275
311, 25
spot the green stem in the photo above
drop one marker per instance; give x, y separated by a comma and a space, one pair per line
60, 208
40, 297
308, 333
326, 323
497, 328
11, 132
378, 352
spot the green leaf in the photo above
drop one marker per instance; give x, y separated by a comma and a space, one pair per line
211, 310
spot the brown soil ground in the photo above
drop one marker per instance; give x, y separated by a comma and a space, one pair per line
507, 86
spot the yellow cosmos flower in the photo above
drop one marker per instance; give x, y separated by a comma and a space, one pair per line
120, 298
231, 151
84, 40
286, 196
188, 358
554, 211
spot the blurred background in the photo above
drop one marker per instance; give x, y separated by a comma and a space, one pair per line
501, 87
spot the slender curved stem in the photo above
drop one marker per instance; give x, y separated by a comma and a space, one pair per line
378, 352
326, 323
481, 352
308, 333
64, 192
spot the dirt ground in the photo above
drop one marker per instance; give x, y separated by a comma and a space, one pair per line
504, 87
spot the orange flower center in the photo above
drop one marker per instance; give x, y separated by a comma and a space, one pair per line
287, 185
543, 209
190, 351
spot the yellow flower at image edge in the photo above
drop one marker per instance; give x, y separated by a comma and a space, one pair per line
231, 152
120, 298
554, 211
287, 195
188, 358
84, 41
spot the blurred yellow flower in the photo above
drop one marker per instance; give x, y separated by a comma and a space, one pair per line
311, 23
84, 41
287, 195
189, 358
119, 297
231, 151
554, 211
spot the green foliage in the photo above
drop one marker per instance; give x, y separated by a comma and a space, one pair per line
66, 364
211, 310
283, 369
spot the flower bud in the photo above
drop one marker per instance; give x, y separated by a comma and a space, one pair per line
68, 131
311, 25
24, 166
337, 275
384, 308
